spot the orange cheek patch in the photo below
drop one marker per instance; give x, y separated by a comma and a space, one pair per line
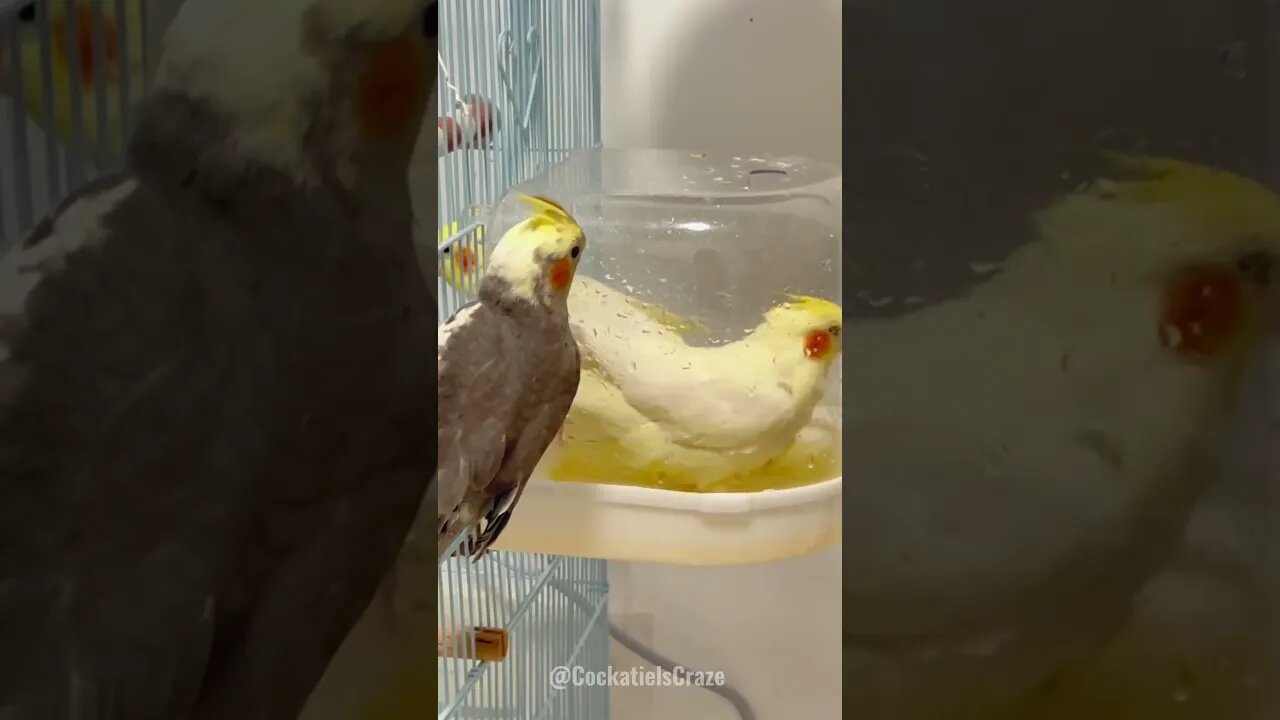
817, 344
390, 88
561, 274
84, 57
466, 260
1202, 312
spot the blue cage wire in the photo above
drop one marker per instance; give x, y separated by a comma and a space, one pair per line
518, 90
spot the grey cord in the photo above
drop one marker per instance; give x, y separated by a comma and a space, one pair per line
729, 693
651, 656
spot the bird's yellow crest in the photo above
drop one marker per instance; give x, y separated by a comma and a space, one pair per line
544, 247
1217, 197
546, 212
543, 206
823, 310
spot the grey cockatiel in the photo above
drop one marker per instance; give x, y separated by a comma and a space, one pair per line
215, 396
507, 374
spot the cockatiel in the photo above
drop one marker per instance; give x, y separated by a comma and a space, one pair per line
461, 262
214, 415
72, 50
1201, 641
695, 415
1026, 456
507, 373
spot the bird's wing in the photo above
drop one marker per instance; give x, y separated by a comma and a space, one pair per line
474, 402
712, 405
97, 416
603, 408
523, 455
76, 225
706, 398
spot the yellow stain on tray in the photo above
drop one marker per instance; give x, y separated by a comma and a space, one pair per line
598, 461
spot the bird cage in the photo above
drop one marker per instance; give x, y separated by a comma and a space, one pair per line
518, 90
71, 72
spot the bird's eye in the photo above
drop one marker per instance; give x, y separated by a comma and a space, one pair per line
575, 252
1203, 311
431, 20
446, 250
27, 13
817, 344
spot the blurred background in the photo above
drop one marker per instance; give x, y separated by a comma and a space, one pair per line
963, 118
959, 112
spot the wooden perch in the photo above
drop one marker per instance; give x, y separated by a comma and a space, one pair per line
490, 643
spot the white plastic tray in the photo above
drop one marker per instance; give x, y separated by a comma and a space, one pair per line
620, 522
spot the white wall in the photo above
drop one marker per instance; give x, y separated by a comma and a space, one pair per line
755, 76
723, 75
